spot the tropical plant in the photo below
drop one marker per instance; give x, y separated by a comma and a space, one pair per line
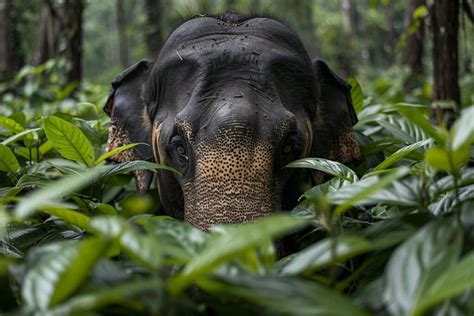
392, 237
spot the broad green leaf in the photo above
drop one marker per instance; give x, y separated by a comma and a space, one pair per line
183, 241
4, 220
452, 282
135, 165
283, 295
416, 264
69, 140
72, 217
20, 135
11, 125
8, 160
226, 247
53, 192
351, 194
420, 120
116, 151
399, 154
122, 294
334, 168
58, 275
357, 94
446, 183
326, 252
420, 108
403, 129
144, 249
440, 159
402, 193
463, 129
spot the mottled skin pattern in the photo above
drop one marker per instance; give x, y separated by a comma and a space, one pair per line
230, 101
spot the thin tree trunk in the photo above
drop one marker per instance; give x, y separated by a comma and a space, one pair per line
122, 36
73, 10
414, 41
153, 34
46, 47
445, 23
5, 29
11, 54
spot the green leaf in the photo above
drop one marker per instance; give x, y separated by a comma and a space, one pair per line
8, 160
53, 192
226, 247
116, 151
334, 168
357, 192
326, 252
357, 94
399, 154
463, 129
59, 274
403, 129
69, 140
144, 249
11, 125
95, 300
70, 216
420, 120
20, 135
416, 264
283, 295
439, 159
129, 166
452, 282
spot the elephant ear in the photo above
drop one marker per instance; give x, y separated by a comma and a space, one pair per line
333, 137
129, 121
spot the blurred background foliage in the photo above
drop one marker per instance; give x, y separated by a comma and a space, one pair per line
369, 39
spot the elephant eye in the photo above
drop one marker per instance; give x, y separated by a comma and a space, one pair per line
287, 149
292, 146
177, 150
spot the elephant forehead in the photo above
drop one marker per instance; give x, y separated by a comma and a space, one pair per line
260, 27
258, 40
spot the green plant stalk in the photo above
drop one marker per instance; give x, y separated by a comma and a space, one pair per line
455, 175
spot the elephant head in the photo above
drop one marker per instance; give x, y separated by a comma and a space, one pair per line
228, 102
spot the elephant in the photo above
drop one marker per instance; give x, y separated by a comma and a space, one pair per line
228, 102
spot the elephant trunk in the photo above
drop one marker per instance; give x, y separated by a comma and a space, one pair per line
234, 181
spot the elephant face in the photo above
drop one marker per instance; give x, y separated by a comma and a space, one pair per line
231, 102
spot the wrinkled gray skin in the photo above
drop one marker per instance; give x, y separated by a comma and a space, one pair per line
228, 102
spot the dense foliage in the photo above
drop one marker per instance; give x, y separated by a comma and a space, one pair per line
392, 237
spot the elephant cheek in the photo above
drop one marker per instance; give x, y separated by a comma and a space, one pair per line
118, 137
232, 186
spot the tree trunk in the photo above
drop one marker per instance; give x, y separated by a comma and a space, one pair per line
73, 35
445, 23
414, 40
11, 54
122, 36
153, 34
346, 57
5, 27
46, 45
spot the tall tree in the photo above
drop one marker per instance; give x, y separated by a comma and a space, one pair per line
414, 41
122, 35
153, 34
48, 30
72, 19
445, 24
11, 55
